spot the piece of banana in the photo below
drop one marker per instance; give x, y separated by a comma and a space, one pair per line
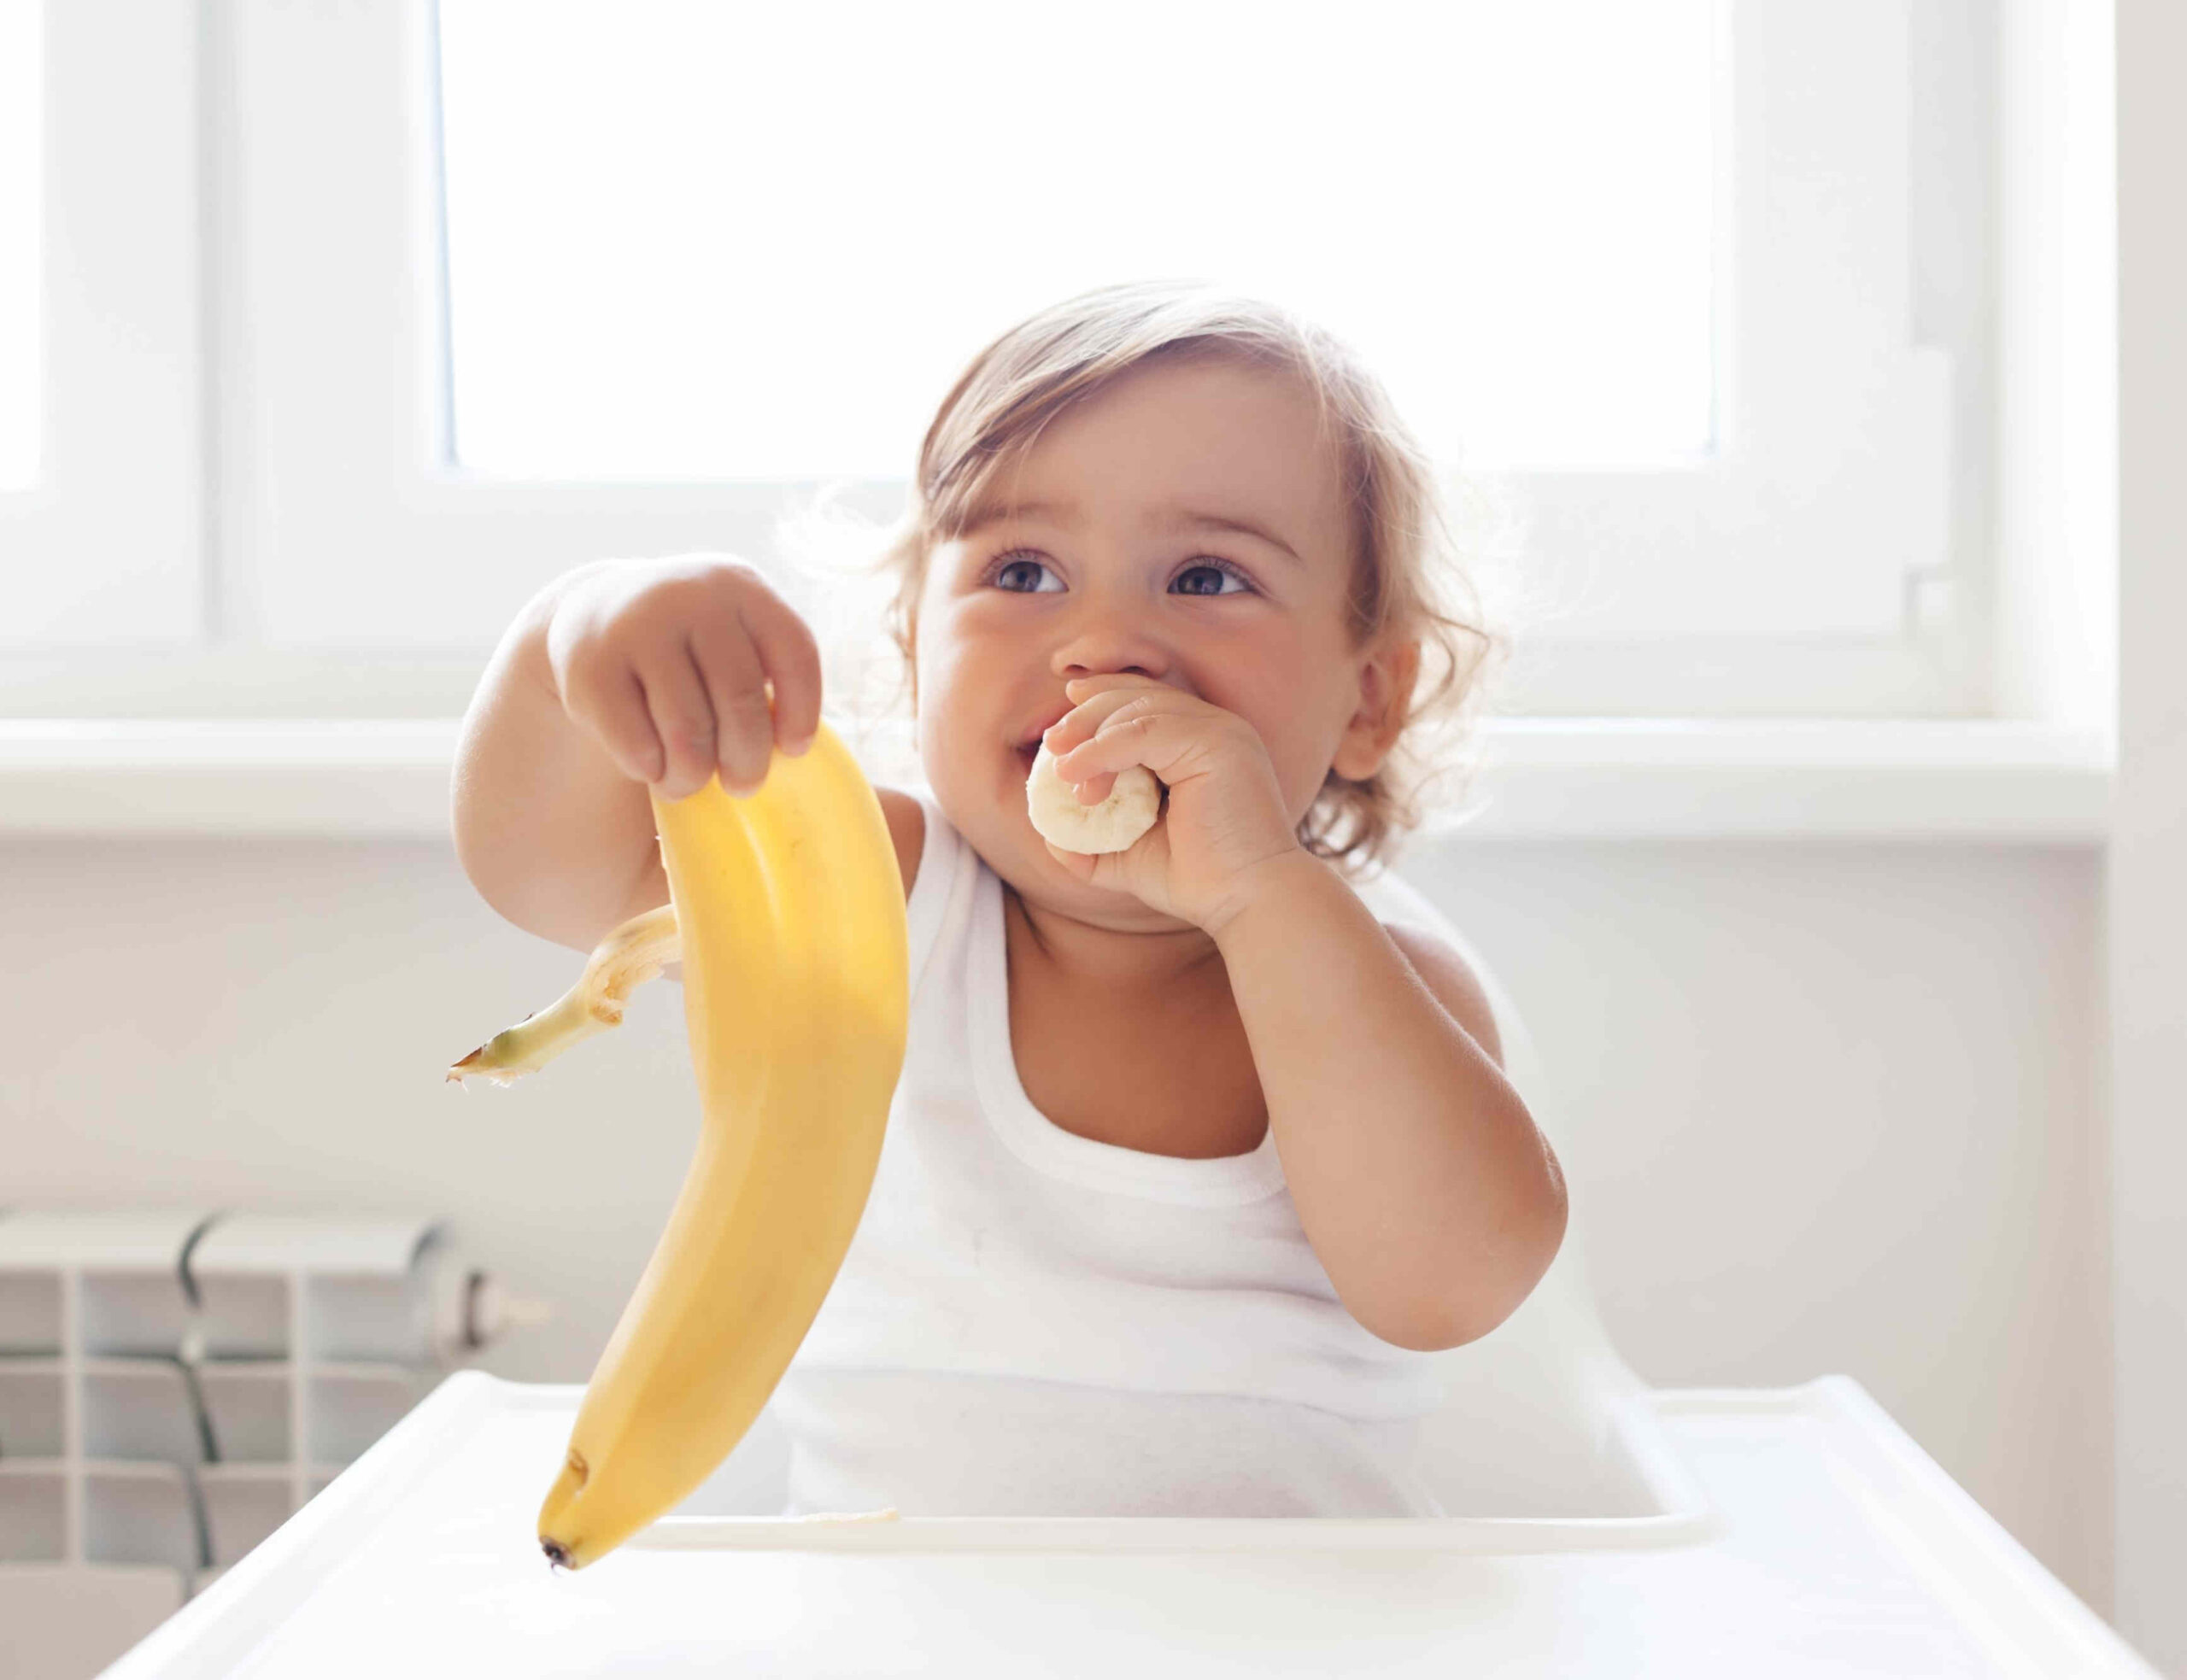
1117, 823
796, 997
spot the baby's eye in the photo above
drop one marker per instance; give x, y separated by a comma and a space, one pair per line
1021, 559
1220, 569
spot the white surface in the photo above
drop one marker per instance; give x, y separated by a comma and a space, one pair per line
1843, 1550
1597, 778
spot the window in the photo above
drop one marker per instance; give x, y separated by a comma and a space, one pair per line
100, 540
747, 253
1705, 285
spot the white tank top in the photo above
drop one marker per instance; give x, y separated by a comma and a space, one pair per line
1032, 1323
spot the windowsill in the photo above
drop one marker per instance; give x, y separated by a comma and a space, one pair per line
1541, 778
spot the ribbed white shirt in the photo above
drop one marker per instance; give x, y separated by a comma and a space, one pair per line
1032, 1323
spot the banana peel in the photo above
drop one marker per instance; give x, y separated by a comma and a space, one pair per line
786, 912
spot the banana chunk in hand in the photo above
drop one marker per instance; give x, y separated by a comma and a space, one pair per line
1116, 823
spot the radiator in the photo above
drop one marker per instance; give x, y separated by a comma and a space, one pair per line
174, 1384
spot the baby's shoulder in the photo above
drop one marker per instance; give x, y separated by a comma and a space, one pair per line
906, 828
1452, 979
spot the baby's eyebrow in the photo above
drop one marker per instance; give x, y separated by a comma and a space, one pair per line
1067, 516
1230, 522
996, 512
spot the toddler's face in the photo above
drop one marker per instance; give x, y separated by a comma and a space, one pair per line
1099, 570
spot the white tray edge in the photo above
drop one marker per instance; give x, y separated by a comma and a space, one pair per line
2005, 1598
215, 1632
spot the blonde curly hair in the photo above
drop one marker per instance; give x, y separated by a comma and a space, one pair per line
1410, 581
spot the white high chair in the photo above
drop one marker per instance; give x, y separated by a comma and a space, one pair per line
1597, 1527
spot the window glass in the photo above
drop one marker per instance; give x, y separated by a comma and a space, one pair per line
693, 240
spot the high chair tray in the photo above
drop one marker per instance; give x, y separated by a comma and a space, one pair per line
1822, 1540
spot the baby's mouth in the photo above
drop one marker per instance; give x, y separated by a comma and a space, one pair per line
1026, 755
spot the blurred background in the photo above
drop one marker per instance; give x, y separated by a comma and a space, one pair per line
1783, 360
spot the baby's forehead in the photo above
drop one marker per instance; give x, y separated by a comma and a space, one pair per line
1255, 449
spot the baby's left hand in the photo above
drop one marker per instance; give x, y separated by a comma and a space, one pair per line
1226, 817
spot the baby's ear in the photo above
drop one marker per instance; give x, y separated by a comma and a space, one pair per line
1385, 684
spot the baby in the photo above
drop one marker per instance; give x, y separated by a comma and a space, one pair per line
1193, 1162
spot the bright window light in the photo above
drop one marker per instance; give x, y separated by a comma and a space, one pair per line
22, 245
705, 240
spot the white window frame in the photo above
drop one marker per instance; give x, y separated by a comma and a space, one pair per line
1785, 574
106, 547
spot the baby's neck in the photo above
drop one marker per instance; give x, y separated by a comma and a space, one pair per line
1160, 963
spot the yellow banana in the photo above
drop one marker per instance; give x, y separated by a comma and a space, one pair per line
789, 912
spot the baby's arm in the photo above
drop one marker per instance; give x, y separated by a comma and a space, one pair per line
551, 832
620, 676
1429, 1194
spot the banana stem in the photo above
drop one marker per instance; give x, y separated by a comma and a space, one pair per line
624, 960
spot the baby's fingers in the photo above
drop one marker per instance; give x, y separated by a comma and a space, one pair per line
683, 722
763, 637
731, 690
609, 702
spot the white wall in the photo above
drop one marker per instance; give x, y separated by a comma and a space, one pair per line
2148, 904
1836, 1101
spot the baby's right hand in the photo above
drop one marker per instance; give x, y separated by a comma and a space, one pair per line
667, 664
